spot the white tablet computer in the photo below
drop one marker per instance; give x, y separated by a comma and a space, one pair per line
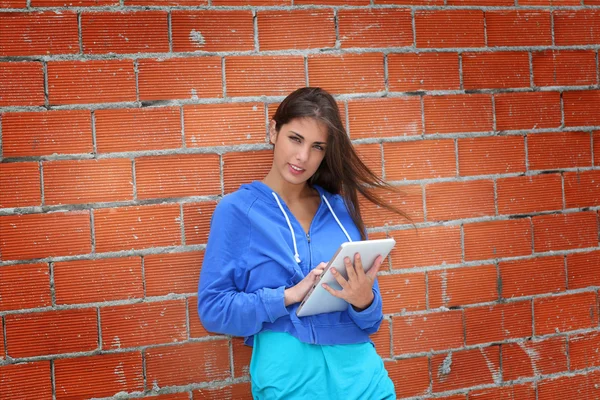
318, 300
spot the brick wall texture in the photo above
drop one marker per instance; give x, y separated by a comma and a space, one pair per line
124, 122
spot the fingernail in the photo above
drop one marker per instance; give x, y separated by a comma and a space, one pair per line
333, 271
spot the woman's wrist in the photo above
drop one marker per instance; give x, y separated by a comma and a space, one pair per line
288, 297
363, 306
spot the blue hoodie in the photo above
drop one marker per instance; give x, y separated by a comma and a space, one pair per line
256, 249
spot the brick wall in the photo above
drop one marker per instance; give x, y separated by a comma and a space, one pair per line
123, 122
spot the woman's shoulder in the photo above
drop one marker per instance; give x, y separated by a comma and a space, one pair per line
237, 204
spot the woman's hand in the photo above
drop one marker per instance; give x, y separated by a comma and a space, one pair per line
296, 293
358, 289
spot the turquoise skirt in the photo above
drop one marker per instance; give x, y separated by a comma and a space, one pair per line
282, 367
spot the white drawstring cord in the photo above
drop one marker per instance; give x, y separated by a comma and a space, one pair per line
296, 255
336, 218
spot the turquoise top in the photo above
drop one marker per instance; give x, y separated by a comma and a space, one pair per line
282, 367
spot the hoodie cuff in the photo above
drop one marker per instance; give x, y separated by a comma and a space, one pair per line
369, 314
274, 302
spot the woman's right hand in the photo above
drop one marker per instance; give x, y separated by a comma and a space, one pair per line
296, 293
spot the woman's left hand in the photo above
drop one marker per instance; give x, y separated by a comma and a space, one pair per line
358, 288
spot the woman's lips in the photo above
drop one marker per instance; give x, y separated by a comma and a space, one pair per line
295, 170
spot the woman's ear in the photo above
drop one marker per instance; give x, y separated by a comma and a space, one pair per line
272, 132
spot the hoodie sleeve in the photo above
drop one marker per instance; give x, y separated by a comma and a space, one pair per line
222, 307
370, 318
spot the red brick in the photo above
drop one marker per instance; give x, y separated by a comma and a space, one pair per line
404, 292
177, 176
529, 194
494, 239
524, 391
498, 70
420, 159
26, 381
370, 155
458, 113
582, 189
239, 168
2, 351
166, 3
118, 32
500, 3
466, 368
90, 281
449, 28
382, 340
410, 376
385, 117
204, 124
93, 81
428, 246
564, 68
576, 27
128, 228
191, 362
98, 376
143, 324
581, 107
237, 391
138, 129
583, 269
29, 34
411, 2
196, 219
384, 27
196, 328
533, 358
73, 3
44, 133
21, 84
180, 78
263, 75
408, 199
332, 2
555, 3
209, 30
469, 199
596, 146
354, 72
565, 231
570, 387
527, 110
51, 332
24, 286
172, 396
13, 3
429, 332
565, 313
532, 276
45, 235
20, 183
558, 150
583, 350
241, 357
172, 273
455, 287
296, 29
498, 323
87, 181
491, 155
409, 72
518, 28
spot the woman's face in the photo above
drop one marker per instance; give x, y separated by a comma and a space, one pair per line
299, 148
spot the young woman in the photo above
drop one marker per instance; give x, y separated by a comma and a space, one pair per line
269, 242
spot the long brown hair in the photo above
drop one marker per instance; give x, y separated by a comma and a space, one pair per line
341, 171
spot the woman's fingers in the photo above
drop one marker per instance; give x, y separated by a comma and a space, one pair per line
336, 293
372, 273
339, 278
350, 267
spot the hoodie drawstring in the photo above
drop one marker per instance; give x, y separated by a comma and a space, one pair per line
296, 255
287, 219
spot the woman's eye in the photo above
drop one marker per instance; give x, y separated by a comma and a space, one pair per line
295, 139
320, 148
